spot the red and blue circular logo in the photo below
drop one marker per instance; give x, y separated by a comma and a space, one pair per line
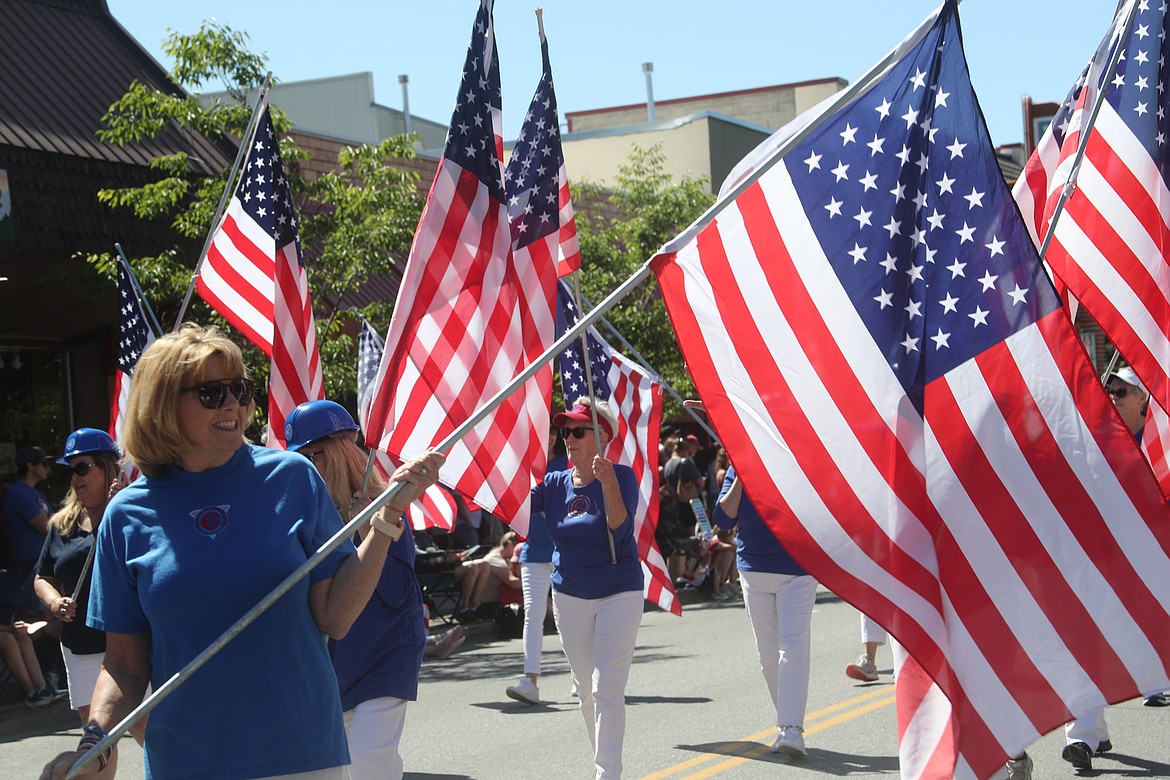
578, 505
211, 520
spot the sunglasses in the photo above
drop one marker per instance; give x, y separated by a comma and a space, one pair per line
1118, 392
212, 394
312, 456
576, 433
81, 469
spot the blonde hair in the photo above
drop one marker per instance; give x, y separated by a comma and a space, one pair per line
603, 411
342, 465
151, 432
68, 517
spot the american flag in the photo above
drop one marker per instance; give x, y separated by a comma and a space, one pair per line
254, 276
1109, 244
636, 399
538, 184
465, 320
888, 366
435, 507
134, 336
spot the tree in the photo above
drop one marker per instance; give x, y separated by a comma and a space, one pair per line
630, 224
355, 223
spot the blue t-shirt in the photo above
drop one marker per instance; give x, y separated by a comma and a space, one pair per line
576, 523
538, 547
22, 502
383, 651
185, 555
757, 548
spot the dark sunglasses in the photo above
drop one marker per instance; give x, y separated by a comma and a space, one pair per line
312, 456
1118, 392
576, 433
81, 469
212, 394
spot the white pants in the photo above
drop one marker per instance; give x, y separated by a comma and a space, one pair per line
374, 729
779, 608
1090, 728
871, 631
81, 673
535, 579
598, 636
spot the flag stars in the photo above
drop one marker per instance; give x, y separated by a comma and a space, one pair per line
988, 281
884, 299
945, 184
890, 263
949, 304
813, 162
875, 146
913, 309
858, 253
910, 343
979, 317
941, 340
940, 100
841, 171
918, 79
956, 269
974, 199
894, 226
834, 207
996, 246
884, 109
862, 218
911, 116
965, 234
869, 181
1019, 295
956, 149
847, 135
935, 220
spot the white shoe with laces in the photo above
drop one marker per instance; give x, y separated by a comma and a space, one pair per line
524, 690
790, 742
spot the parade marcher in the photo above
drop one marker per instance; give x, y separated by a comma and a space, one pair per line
779, 596
64, 566
26, 519
378, 661
535, 581
873, 636
214, 524
597, 598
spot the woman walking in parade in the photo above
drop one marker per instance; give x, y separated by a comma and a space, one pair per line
597, 588
182, 553
377, 663
64, 566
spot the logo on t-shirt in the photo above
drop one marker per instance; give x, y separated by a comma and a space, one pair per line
578, 505
210, 521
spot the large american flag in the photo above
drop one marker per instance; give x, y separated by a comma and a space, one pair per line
1110, 244
539, 202
470, 316
889, 368
255, 277
636, 399
134, 336
435, 507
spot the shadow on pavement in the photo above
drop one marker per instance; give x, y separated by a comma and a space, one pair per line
827, 762
1133, 767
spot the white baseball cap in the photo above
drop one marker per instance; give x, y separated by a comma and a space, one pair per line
1129, 377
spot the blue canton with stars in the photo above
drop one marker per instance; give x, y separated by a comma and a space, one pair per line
263, 189
370, 348
532, 181
905, 197
573, 382
471, 141
133, 334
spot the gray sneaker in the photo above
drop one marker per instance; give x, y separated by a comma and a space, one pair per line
1020, 768
863, 669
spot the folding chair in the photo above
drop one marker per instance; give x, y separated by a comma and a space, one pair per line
441, 593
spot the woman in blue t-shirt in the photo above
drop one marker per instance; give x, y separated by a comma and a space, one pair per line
212, 527
378, 661
597, 583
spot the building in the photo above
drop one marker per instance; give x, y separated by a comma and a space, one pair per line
59, 318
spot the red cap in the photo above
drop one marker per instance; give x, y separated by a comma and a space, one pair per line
693, 440
581, 413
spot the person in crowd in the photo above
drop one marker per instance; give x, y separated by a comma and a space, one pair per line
716, 471
26, 515
16, 648
212, 526
64, 566
682, 476
597, 578
535, 581
779, 596
377, 663
442, 645
865, 668
481, 578
724, 575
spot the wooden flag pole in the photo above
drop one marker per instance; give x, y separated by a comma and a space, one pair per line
249, 135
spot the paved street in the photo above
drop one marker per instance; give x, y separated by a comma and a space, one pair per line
697, 709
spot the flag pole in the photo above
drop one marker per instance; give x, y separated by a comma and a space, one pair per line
656, 376
157, 328
585, 358
249, 135
1070, 184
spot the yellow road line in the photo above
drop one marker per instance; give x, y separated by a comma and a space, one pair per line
818, 720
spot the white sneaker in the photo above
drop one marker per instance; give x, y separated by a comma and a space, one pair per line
524, 690
790, 742
864, 670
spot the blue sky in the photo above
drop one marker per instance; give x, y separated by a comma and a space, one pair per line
1014, 47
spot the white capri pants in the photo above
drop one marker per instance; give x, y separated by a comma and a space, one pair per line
535, 580
871, 631
81, 673
779, 608
598, 636
374, 729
